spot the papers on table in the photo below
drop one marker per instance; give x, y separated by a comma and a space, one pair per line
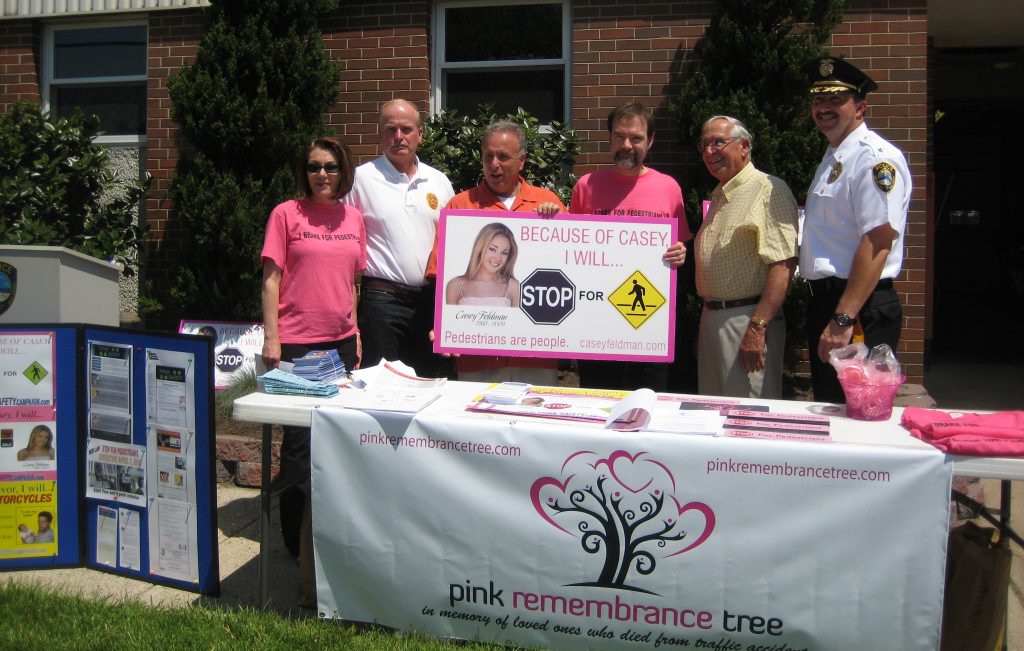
396, 375
279, 382
560, 403
643, 410
319, 366
697, 421
632, 412
775, 425
506, 393
392, 386
401, 400
719, 405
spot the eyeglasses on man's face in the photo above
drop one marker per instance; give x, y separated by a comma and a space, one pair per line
330, 168
714, 144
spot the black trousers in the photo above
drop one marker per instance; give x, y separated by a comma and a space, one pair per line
293, 480
395, 326
881, 317
621, 375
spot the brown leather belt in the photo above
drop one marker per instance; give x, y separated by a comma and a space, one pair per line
389, 287
725, 305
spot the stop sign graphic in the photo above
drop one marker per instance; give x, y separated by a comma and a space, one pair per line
547, 296
229, 359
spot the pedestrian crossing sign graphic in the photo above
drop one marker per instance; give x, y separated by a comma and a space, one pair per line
35, 373
636, 299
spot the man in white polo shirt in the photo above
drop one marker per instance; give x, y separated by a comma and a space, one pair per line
400, 198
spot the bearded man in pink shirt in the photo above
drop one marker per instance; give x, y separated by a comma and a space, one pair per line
628, 187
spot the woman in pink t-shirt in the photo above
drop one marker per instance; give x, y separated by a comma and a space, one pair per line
313, 255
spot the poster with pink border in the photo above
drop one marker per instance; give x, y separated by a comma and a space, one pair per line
571, 286
28, 445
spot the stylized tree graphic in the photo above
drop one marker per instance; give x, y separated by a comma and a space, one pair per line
624, 507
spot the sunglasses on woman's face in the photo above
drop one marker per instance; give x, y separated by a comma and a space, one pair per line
330, 168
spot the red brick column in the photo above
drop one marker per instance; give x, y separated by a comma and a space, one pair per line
19, 62
384, 52
173, 38
889, 41
624, 52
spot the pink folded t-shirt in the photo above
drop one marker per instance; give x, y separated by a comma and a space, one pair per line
990, 435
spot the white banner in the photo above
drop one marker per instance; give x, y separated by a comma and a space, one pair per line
576, 286
533, 533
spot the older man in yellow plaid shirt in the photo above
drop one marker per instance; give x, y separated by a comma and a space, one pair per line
746, 251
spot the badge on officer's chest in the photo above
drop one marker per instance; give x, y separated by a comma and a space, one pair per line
885, 176
837, 169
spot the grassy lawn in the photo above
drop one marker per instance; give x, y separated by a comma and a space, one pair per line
32, 617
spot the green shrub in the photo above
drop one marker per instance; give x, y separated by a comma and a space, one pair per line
451, 143
252, 100
750, 65
56, 188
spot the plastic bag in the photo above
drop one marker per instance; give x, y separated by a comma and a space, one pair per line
855, 363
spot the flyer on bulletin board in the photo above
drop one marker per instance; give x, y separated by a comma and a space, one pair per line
28, 443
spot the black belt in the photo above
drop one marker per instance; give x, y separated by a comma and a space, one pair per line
836, 285
390, 287
725, 305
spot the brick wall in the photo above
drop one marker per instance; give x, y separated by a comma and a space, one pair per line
19, 62
631, 51
634, 51
622, 51
889, 41
384, 51
173, 38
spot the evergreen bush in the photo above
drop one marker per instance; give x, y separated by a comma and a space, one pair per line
451, 143
252, 100
57, 188
751, 65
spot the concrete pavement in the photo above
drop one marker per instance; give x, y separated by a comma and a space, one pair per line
238, 537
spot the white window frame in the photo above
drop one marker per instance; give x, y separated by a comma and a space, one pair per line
47, 79
439, 66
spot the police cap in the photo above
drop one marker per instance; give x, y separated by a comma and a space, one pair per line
832, 75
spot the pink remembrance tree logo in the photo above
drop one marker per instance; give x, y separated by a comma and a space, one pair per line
624, 507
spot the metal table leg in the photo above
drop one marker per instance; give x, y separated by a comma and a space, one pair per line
265, 516
1005, 494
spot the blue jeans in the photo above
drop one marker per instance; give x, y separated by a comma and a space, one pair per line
395, 327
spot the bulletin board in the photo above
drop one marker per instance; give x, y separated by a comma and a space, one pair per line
130, 418
148, 466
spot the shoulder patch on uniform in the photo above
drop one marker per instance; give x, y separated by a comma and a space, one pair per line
885, 176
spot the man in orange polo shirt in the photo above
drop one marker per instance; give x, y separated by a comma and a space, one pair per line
503, 149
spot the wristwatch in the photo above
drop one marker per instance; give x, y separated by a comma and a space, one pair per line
843, 319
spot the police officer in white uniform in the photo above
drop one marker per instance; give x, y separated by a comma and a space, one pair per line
856, 212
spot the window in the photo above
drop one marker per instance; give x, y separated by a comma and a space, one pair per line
100, 69
513, 54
